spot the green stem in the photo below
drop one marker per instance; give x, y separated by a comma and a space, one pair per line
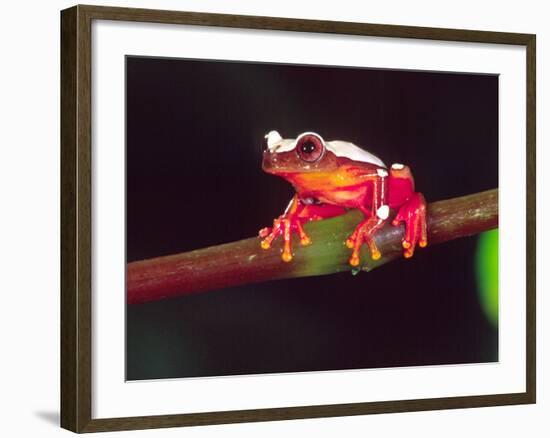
244, 262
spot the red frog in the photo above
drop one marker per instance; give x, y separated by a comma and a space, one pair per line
331, 177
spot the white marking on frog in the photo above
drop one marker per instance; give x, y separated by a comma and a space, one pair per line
273, 138
383, 212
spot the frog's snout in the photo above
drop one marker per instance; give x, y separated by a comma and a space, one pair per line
269, 160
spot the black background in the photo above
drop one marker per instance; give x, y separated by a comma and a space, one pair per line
194, 141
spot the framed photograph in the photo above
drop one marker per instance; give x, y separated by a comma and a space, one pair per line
268, 218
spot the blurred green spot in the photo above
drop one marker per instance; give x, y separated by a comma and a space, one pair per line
487, 274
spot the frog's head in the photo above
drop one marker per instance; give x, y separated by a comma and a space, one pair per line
304, 154
309, 153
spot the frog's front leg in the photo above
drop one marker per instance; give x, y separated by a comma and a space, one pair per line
284, 225
364, 233
297, 213
376, 212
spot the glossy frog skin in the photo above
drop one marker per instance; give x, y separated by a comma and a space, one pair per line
331, 177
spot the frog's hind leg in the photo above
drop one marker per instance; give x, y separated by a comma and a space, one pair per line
413, 214
411, 209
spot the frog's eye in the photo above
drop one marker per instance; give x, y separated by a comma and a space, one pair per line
310, 148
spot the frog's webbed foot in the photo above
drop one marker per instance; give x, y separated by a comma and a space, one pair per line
364, 233
284, 225
413, 214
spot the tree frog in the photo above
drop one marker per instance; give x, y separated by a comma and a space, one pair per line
331, 177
